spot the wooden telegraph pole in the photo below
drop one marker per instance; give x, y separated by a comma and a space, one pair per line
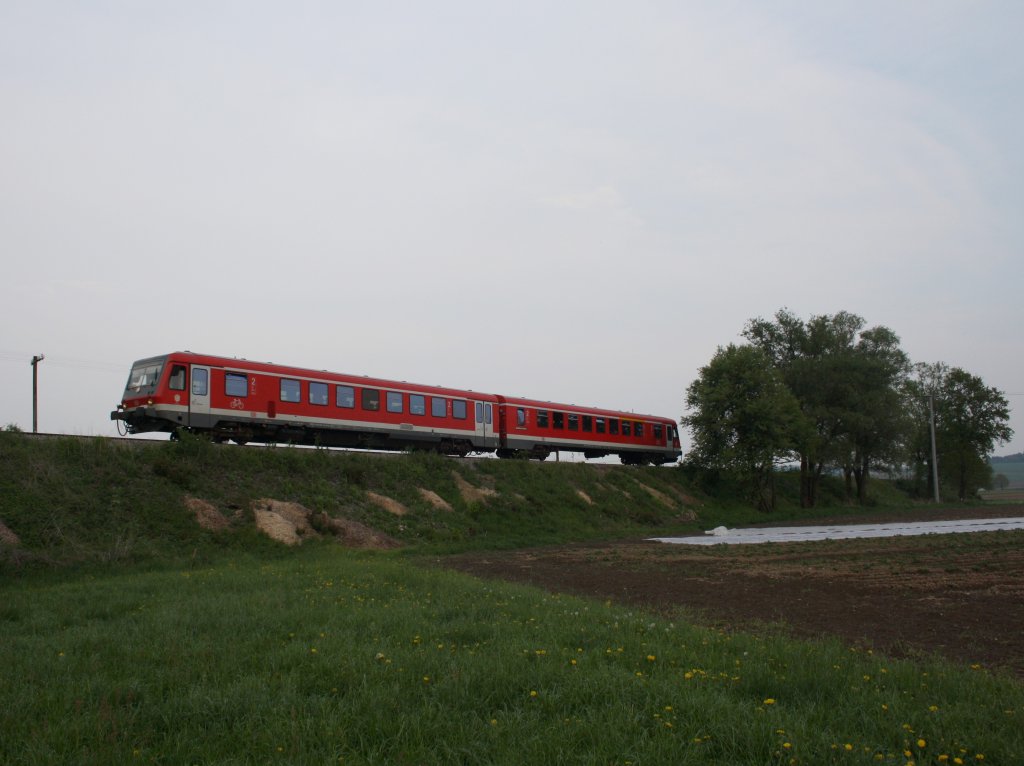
35, 392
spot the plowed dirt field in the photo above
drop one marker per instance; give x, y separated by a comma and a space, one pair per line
960, 596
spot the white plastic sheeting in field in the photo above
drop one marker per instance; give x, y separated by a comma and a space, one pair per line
747, 536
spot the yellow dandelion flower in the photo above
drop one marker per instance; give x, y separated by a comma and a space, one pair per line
651, 658
769, 701
921, 743
847, 747
533, 693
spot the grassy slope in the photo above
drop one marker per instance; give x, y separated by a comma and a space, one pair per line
97, 501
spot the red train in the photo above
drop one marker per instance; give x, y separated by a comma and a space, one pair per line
254, 402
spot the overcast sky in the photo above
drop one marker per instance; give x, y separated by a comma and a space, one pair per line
574, 201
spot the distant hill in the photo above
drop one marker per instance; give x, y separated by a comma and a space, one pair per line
1010, 466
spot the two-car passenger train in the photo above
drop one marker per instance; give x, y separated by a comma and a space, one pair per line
255, 402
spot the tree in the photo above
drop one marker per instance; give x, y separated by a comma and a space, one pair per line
876, 424
744, 419
846, 382
970, 419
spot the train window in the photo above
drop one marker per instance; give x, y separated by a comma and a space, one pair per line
574, 422
345, 396
371, 399
599, 425
588, 423
638, 429
143, 376
613, 426
542, 418
521, 417
417, 404
659, 431
438, 407
291, 390
200, 380
489, 414
558, 419
235, 384
479, 412
394, 402
459, 409
177, 380
318, 394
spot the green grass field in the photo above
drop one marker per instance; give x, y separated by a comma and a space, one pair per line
329, 656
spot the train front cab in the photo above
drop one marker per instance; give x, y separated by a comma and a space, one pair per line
158, 396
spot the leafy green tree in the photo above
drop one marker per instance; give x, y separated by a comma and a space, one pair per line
970, 419
876, 422
744, 419
846, 380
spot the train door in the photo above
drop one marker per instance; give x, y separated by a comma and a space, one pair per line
199, 397
485, 423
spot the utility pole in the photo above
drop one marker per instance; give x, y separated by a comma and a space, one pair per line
35, 392
935, 459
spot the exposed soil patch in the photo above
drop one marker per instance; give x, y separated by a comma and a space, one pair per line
206, 515
7, 536
472, 494
292, 523
958, 595
434, 499
388, 504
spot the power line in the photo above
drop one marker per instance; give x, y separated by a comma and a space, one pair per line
66, 361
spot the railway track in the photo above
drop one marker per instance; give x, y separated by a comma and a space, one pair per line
136, 441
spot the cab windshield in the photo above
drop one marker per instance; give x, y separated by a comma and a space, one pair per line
144, 377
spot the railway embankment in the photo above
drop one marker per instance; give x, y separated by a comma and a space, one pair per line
73, 501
